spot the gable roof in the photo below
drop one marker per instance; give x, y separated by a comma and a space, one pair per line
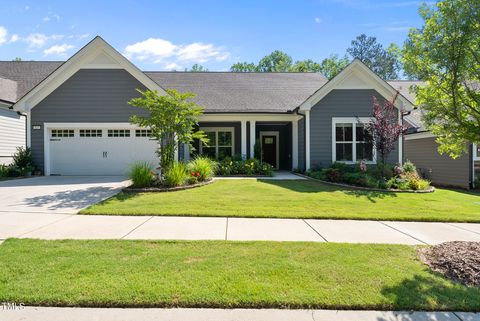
95, 54
357, 76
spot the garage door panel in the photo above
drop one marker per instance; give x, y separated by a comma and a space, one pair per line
99, 155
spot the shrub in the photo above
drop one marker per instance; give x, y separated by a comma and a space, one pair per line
409, 167
176, 175
203, 167
244, 167
142, 174
22, 161
398, 183
333, 175
4, 170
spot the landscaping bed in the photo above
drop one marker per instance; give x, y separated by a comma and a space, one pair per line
458, 261
220, 274
296, 199
160, 189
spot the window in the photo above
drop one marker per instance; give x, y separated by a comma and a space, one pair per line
90, 133
143, 133
476, 152
220, 142
63, 133
119, 133
351, 142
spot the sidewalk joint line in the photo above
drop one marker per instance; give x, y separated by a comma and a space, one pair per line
462, 228
43, 226
226, 230
456, 315
131, 231
315, 230
405, 233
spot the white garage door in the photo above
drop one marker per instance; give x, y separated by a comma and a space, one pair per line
98, 151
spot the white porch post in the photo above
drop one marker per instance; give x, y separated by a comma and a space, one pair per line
244, 138
400, 139
176, 149
307, 140
295, 144
252, 138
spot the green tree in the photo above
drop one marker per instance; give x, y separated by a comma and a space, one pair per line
243, 67
307, 65
332, 65
17, 59
277, 61
383, 62
198, 68
172, 118
445, 54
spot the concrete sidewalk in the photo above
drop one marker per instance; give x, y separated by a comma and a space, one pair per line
62, 226
116, 314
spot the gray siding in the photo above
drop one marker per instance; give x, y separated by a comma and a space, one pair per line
99, 95
338, 103
301, 144
440, 169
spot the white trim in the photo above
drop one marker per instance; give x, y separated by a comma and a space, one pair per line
294, 144
76, 126
475, 157
243, 134
354, 121
29, 129
216, 130
277, 145
252, 138
357, 76
400, 139
307, 140
83, 59
420, 135
236, 117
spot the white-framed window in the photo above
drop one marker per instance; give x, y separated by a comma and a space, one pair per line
90, 133
63, 133
119, 133
350, 141
221, 142
476, 152
143, 133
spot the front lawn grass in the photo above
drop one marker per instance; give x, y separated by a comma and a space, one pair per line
296, 199
119, 273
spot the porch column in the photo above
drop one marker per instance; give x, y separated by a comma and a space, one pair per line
175, 156
252, 138
295, 144
244, 138
307, 140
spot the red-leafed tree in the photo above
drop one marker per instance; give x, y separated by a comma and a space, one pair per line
384, 129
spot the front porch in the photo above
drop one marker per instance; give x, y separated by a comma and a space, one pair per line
274, 139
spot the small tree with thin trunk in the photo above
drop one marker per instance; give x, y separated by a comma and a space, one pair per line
172, 120
384, 129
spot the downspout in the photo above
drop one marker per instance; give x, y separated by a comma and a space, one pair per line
403, 136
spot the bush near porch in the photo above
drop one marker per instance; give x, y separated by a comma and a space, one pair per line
249, 167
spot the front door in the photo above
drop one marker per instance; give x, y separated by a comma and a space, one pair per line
269, 150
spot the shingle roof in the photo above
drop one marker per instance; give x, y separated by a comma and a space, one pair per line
8, 90
405, 88
243, 92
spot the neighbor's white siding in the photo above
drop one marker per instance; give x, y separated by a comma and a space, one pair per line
12, 134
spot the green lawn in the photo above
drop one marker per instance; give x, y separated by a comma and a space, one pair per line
296, 199
224, 274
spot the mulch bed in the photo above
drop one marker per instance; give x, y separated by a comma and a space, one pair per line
458, 261
165, 189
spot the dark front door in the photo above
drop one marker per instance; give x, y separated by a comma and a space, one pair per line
269, 150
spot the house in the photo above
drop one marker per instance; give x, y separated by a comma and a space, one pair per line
12, 124
78, 116
422, 149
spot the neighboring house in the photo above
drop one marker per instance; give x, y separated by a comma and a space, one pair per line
78, 116
12, 124
422, 149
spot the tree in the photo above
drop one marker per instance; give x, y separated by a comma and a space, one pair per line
383, 62
172, 118
17, 59
384, 129
277, 61
307, 65
445, 54
332, 65
198, 68
243, 67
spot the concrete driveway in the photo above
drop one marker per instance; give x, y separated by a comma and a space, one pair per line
56, 194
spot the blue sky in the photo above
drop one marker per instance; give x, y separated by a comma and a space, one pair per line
165, 35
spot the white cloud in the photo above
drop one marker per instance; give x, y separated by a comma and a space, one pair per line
58, 50
38, 40
172, 66
158, 50
14, 38
318, 20
3, 35
46, 18
50, 17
